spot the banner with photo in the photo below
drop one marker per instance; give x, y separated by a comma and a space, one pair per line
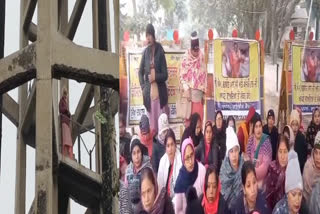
136, 107
306, 78
237, 76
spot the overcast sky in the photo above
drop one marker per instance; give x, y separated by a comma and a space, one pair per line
9, 132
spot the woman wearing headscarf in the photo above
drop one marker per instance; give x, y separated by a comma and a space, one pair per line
314, 204
211, 200
153, 75
275, 179
311, 173
207, 150
300, 145
125, 139
245, 130
194, 130
67, 145
291, 203
232, 122
313, 129
301, 128
153, 200
230, 172
259, 150
170, 164
193, 75
145, 135
133, 172
251, 199
288, 132
158, 147
192, 173
219, 132
124, 197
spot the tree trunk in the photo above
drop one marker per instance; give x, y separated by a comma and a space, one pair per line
267, 36
274, 38
317, 28
134, 4
275, 53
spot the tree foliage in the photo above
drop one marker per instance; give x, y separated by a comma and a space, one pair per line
145, 12
247, 16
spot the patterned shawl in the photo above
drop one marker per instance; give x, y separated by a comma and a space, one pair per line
231, 185
193, 71
275, 183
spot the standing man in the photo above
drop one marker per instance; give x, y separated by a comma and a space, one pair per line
153, 75
272, 131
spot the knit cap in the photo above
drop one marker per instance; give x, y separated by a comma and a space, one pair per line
232, 140
144, 124
317, 141
163, 123
150, 30
270, 114
293, 174
194, 41
295, 116
135, 141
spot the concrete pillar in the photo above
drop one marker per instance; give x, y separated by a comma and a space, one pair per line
95, 42
63, 23
20, 187
47, 27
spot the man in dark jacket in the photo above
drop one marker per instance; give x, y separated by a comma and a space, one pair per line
153, 75
272, 131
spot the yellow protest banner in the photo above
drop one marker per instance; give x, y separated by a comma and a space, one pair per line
306, 77
237, 76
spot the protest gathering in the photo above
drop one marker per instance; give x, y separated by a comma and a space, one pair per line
223, 165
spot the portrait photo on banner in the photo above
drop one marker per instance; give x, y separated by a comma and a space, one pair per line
235, 59
310, 66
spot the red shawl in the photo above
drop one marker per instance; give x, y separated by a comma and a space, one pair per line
211, 208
